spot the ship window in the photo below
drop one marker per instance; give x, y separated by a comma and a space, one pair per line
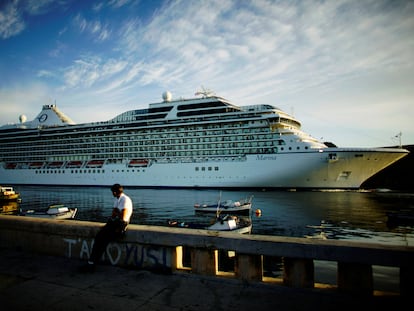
203, 168
197, 168
209, 168
359, 155
201, 105
216, 168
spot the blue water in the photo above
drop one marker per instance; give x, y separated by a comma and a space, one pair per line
344, 215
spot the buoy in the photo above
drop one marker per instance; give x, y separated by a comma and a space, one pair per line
258, 212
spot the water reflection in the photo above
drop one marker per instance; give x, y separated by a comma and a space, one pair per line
348, 215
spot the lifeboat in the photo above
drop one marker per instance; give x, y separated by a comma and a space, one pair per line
56, 164
74, 164
95, 163
36, 165
11, 166
138, 163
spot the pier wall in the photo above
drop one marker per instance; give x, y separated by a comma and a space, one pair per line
205, 252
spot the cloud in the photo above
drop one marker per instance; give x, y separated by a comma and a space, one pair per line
11, 21
112, 4
95, 28
45, 73
12, 15
95, 71
311, 55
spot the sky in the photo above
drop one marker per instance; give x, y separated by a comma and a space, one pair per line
344, 68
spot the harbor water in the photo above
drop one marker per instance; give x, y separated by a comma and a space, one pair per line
343, 215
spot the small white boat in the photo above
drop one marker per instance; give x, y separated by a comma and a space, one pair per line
221, 223
228, 206
57, 211
232, 223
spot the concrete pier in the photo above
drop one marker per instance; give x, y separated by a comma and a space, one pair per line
162, 253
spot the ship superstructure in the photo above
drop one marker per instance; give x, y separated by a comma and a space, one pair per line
201, 142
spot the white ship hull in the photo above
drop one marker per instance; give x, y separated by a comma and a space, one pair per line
348, 169
203, 142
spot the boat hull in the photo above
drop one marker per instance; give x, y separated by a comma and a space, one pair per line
336, 168
12, 197
242, 209
69, 214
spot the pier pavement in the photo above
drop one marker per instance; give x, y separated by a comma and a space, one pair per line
29, 281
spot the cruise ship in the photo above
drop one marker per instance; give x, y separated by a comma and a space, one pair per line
202, 142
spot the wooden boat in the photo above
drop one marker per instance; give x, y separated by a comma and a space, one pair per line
230, 223
56, 211
228, 207
8, 194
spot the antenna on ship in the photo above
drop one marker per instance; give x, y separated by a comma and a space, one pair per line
398, 136
204, 92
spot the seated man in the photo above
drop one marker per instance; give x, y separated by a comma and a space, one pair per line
113, 229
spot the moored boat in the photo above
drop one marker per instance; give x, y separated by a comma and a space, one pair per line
228, 206
56, 211
9, 208
232, 223
242, 225
8, 194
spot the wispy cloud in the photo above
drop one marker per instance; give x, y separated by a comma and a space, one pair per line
98, 30
113, 4
307, 53
11, 21
251, 46
12, 14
